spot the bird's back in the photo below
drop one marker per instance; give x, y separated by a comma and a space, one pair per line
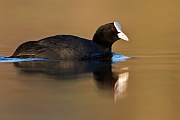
63, 47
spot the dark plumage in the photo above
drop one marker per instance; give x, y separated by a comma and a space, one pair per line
68, 47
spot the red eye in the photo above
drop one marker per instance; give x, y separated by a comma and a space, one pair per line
112, 29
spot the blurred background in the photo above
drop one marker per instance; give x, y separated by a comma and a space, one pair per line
152, 92
150, 25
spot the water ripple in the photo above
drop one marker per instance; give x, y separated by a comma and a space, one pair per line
116, 58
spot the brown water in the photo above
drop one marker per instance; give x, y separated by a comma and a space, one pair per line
64, 91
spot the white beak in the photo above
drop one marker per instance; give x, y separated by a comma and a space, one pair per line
121, 35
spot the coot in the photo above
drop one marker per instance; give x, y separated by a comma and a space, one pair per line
69, 47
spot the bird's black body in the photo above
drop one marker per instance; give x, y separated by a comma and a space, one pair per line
68, 47
64, 47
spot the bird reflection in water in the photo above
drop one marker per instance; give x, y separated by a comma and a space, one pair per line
64, 70
121, 86
115, 81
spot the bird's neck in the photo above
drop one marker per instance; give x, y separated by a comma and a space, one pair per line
102, 43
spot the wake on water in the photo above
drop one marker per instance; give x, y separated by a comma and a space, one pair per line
8, 59
116, 58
